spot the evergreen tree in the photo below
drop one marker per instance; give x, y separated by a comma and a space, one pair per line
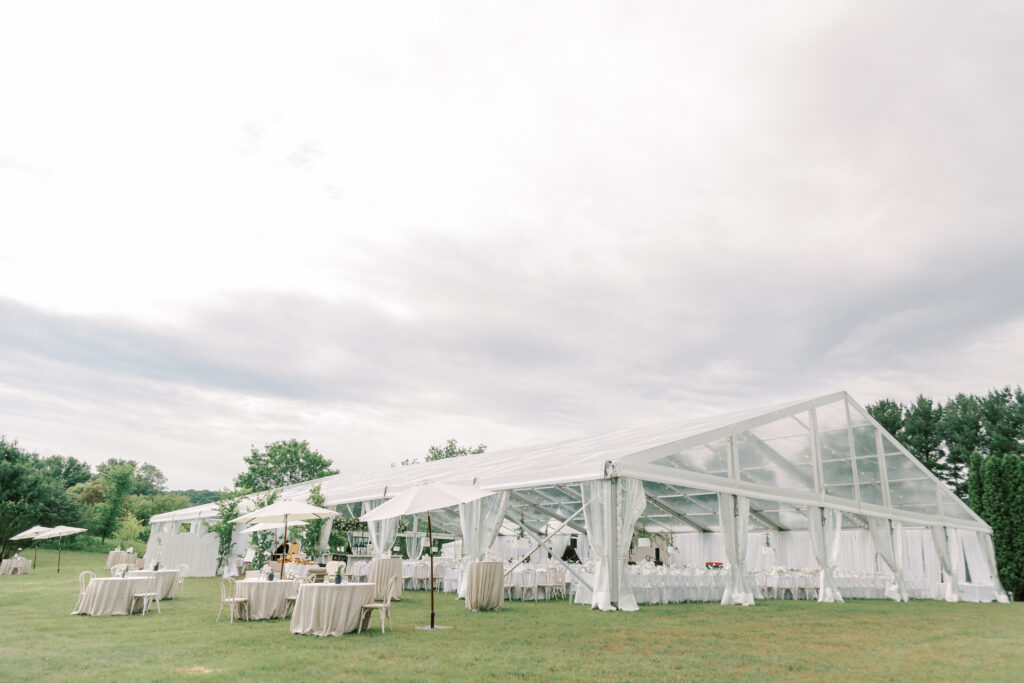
889, 414
975, 486
961, 433
922, 437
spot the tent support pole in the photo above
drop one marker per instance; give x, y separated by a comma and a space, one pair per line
613, 541
430, 534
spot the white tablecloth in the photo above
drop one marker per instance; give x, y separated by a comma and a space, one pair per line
267, 599
109, 595
328, 609
116, 557
357, 569
485, 586
166, 580
381, 571
15, 565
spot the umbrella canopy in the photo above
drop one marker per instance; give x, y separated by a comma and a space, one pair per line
34, 532
59, 531
423, 497
270, 526
285, 512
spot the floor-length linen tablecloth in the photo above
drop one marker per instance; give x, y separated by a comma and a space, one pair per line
116, 557
330, 609
166, 580
267, 599
485, 583
111, 595
381, 571
15, 565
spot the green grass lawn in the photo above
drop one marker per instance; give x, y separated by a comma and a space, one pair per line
864, 639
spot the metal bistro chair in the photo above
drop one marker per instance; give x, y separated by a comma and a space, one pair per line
83, 581
146, 598
383, 607
528, 578
227, 597
182, 573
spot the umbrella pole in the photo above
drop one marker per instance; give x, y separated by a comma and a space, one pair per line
430, 533
285, 553
35, 555
60, 540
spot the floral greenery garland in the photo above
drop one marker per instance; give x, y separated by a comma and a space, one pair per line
310, 534
263, 541
227, 509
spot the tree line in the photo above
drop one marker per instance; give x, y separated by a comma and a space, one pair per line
975, 444
114, 501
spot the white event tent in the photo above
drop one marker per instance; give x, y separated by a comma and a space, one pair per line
819, 476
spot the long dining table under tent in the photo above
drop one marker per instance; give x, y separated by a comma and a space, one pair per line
835, 495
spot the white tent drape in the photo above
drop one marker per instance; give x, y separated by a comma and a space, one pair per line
414, 545
734, 511
946, 545
989, 553
382, 532
825, 526
888, 536
480, 521
630, 503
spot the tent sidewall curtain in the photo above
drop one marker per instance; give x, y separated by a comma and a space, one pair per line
480, 521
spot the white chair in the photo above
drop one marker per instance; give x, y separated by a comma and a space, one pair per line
83, 581
528, 583
510, 585
118, 569
227, 597
147, 597
555, 584
366, 612
182, 573
252, 574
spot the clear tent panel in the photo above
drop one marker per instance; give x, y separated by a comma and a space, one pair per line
777, 454
869, 476
708, 458
834, 444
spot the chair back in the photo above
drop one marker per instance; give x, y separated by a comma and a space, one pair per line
227, 588
83, 580
530, 577
182, 571
390, 590
331, 568
118, 569
252, 574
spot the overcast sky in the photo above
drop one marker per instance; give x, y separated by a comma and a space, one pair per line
376, 228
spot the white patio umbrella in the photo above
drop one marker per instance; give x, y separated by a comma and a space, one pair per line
424, 497
283, 512
270, 526
33, 534
59, 532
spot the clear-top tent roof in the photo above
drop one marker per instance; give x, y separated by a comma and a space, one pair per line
825, 451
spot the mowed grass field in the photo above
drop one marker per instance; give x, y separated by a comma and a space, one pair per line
865, 639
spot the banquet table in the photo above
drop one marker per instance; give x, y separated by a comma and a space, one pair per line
485, 586
329, 609
116, 557
15, 565
267, 599
381, 571
415, 573
663, 585
357, 569
111, 595
166, 580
